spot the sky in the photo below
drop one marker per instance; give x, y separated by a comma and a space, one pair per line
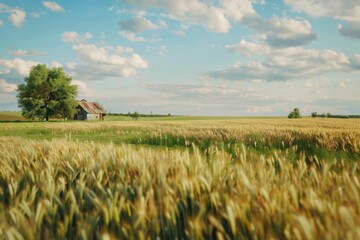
190, 57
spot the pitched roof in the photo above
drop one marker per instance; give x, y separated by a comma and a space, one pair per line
90, 107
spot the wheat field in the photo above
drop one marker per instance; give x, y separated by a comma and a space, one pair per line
225, 179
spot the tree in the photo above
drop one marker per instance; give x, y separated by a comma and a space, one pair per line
134, 115
47, 93
101, 107
295, 113
314, 114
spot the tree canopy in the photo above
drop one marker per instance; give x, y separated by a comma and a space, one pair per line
295, 113
47, 93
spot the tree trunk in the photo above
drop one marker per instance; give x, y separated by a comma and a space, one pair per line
47, 116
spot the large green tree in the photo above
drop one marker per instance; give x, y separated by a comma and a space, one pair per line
47, 92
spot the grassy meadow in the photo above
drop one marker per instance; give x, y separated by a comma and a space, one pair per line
181, 178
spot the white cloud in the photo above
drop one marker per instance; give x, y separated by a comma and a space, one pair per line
284, 32
36, 14
74, 37
70, 37
216, 16
21, 52
22, 67
345, 83
347, 10
259, 109
238, 9
71, 65
53, 6
138, 24
281, 32
17, 16
88, 35
248, 49
109, 61
134, 38
84, 90
190, 11
352, 31
56, 64
1, 23
341, 9
210, 92
7, 87
284, 64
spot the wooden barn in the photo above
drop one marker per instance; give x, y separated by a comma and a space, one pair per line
89, 111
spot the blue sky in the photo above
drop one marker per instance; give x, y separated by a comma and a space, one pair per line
190, 57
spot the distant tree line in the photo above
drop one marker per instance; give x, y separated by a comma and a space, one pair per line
329, 115
139, 114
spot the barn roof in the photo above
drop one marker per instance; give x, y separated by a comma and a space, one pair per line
90, 107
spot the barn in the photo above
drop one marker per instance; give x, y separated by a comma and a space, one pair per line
89, 111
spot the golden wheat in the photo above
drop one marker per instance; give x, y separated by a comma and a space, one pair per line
71, 189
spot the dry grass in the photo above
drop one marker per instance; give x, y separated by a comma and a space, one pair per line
307, 134
69, 189
10, 116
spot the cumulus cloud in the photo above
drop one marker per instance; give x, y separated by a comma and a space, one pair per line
352, 31
56, 64
347, 10
17, 16
53, 6
238, 10
285, 32
345, 83
217, 17
70, 37
1, 23
138, 24
281, 32
132, 37
74, 37
22, 67
109, 61
84, 90
190, 11
7, 87
131, 27
284, 64
248, 49
21, 52
344, 9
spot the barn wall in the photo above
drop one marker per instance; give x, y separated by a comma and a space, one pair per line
92, 117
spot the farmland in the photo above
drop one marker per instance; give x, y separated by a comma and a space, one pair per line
181, 178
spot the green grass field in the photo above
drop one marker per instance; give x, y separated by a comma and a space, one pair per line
180, 178
12, 116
